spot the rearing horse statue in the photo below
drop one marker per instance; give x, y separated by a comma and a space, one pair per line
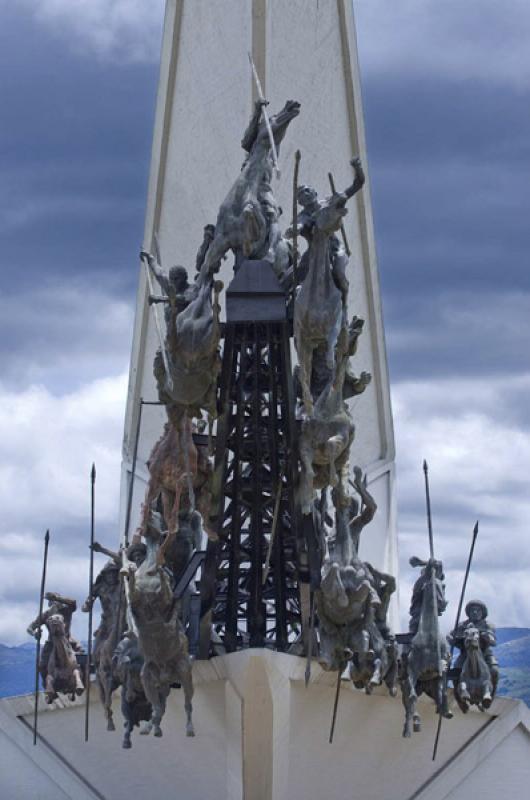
247, 222
63, 673
108, 591
318, 309
161, 638
426, 661
325, 441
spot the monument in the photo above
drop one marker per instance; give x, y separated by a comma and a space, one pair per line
249, 620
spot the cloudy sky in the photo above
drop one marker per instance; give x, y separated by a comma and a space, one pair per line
446, 93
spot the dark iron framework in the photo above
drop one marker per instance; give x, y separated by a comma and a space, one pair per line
250, 580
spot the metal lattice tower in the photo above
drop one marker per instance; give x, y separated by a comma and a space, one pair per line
250, 582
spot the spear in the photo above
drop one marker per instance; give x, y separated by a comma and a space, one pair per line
265, 117
91, 600
428, 504
297, 157
434, 591
342, 228
457, 622
133, 473
335, 705
309, 656
37, 654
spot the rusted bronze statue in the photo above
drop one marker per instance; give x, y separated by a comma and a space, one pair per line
162, 642
108, 590
479, 671
58, 665
320, 307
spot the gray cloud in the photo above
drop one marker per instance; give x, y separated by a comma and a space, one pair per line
479, 40
460, 334
83, 333
479, 458
74, 156
47, 445
120, 30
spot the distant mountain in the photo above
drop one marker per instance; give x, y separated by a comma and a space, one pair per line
513, 656
17, 669
17, 665
510, 635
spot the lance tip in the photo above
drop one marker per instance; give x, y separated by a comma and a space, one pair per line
475, 529
425, 465
47, 536
93, 472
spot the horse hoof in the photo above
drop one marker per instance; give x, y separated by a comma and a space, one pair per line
110, 725
449, 714
369, 688
126, 744
190, 732
158, 733
487, 702
79, 691
145, 731
416, 726
406, 733
392, 691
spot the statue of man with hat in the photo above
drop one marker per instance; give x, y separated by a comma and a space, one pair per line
477, 614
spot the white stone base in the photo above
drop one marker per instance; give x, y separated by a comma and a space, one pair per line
261, 735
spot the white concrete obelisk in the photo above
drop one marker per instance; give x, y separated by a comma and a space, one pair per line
303, 50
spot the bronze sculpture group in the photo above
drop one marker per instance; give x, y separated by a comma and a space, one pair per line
141, 643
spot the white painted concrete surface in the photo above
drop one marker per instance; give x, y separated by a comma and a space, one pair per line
261, 735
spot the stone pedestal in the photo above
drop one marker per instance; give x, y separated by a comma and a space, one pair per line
262, 735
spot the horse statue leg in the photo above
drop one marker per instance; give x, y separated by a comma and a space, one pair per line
307, 473
172, 522
305, 360
79, 685
104, 682
487, 697
334, 448
150, 684
377, 674
185, 679
50, 693
127, 726
416, 719
107, 694
463, 693
391, 674
410, 698
409, 708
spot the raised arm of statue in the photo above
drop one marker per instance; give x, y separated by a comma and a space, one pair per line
156, 270
208, 235
358, 183
98, 548
59, 598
